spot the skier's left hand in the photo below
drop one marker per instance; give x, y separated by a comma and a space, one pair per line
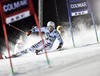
60, 46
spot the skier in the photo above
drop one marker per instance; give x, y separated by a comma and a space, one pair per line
50, 36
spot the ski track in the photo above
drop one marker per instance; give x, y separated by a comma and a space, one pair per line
82, 61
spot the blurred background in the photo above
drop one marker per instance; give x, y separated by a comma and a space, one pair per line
53, 10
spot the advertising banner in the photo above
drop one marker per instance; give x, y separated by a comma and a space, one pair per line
15, 10
78, 7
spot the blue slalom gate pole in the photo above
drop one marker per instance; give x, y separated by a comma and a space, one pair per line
70, 22
95, 28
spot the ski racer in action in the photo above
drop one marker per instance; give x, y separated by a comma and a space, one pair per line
50, 36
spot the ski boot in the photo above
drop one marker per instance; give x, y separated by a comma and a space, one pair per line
37, 52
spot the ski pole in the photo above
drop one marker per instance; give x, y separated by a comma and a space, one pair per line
17, 29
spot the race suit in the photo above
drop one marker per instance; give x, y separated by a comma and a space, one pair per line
46, 43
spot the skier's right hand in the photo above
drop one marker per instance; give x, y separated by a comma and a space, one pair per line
28, 33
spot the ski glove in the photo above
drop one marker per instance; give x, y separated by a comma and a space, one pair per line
60, 46
28, 33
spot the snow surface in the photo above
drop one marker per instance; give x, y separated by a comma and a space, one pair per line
84, 60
